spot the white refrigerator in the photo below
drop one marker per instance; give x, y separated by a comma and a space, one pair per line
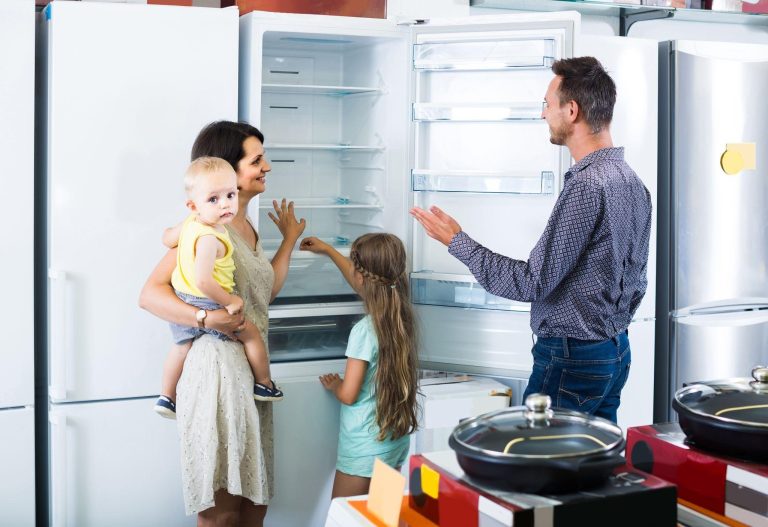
125, 90
364, 119
17, 397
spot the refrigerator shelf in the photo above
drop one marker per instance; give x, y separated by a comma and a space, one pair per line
313, 89
483, 182
457, 290
481, 55
491, 112
326, 203
315, 146
340, 243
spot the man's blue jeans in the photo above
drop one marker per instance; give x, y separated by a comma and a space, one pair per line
583, 375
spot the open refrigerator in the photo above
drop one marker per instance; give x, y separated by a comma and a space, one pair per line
364, 119
17, 395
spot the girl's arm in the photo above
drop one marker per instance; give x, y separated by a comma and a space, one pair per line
207, 249
291, 230
157, 297
171, 235
344, 264
347, 389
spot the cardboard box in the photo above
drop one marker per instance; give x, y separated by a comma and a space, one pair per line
628, 498
731, 487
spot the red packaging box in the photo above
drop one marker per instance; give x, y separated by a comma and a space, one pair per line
731, 487
628, 498
760, 7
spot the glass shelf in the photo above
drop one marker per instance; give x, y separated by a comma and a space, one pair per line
456, 290
325, 203
311, 89
592, 7
314, 146
340, 243
483, 182
484, 55
485, 112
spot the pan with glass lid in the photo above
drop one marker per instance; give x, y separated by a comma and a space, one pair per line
538, 449
727, 416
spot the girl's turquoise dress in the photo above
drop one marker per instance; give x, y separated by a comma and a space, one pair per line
358, 446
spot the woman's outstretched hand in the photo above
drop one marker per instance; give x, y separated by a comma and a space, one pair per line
314, 245
437, 224
286, 221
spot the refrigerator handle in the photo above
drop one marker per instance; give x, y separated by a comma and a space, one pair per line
736, 318
61, 334
58, 470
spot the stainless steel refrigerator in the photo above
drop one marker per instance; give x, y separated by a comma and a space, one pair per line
712, 311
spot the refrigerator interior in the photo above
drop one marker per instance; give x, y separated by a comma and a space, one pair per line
17, 396
329, 94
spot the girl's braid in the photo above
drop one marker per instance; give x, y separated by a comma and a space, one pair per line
368, 274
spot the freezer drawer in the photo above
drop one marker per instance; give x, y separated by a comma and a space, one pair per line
17, 467
312, 331
475, 341
115, 463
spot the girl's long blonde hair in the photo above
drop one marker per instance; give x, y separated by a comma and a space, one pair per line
380, 259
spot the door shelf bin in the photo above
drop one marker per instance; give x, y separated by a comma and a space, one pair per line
483, 182
311, 331
478, 112
484, 55
455, 290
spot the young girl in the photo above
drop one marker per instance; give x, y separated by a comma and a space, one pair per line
204, 276
378, 392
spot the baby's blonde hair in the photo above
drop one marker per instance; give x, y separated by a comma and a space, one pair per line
203, 167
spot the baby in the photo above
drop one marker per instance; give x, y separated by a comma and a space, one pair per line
204, 276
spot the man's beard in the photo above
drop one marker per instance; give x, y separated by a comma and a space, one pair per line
559, 136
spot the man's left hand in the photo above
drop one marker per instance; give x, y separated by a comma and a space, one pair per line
437, 224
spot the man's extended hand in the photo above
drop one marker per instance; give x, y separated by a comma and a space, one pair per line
437, 224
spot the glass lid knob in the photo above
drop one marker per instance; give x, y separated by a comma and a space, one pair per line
539, 409
760, 374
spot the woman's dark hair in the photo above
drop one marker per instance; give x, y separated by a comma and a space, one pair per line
585, 81
224, 139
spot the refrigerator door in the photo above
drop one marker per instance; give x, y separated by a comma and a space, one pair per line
718, 346
636, 407
122, 116
482, 153
17, 465
17, 91
719, 220
114, 463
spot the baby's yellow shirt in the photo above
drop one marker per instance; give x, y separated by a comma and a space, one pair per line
183, 278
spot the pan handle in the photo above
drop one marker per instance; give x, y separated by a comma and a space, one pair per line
585, 463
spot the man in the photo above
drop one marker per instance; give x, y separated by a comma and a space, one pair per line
586, 275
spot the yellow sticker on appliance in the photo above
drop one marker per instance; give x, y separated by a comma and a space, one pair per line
430, 481
748, 153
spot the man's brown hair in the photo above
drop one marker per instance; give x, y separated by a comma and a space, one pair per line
584, 80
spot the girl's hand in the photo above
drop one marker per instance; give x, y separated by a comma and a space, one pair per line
330, 381
286, 222
314, 245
